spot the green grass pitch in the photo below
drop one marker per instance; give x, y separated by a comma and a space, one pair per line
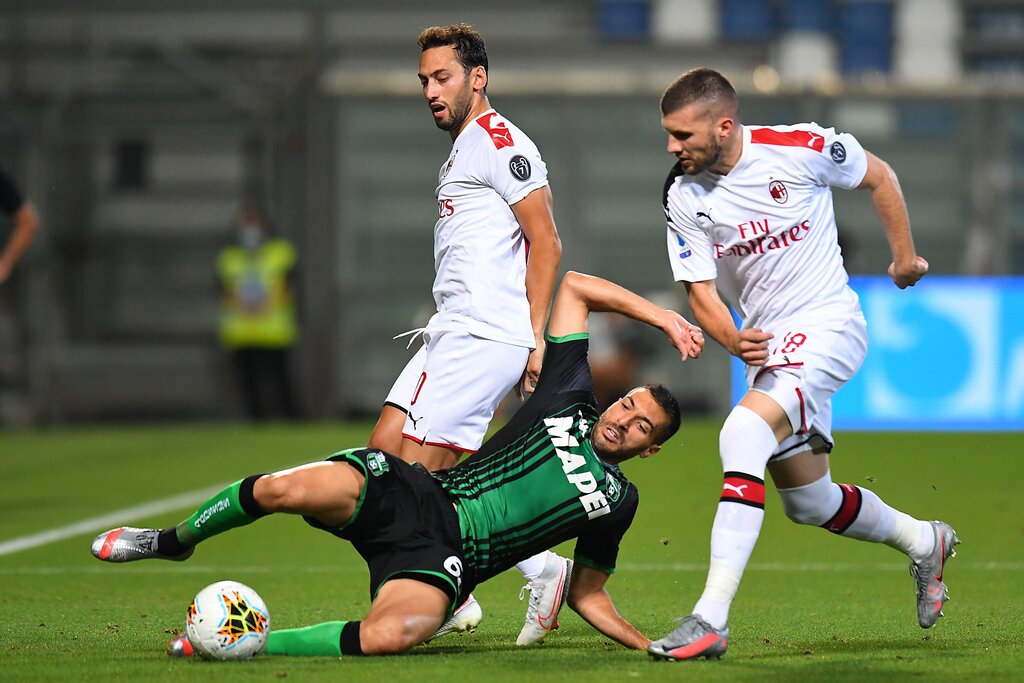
812, 606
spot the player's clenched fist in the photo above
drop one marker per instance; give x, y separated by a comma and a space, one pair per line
751, 346
685, 336
908, 274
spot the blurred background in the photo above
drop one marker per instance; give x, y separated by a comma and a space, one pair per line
143, 130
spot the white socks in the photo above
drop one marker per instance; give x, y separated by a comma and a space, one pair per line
531, 567
732, 541
745, 444
858, 513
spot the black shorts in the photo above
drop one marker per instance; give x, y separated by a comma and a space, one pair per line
404, 526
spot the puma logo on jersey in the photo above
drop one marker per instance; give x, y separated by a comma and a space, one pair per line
787, 138
501, 136
706, 215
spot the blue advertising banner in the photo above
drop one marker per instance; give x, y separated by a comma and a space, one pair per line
947, 354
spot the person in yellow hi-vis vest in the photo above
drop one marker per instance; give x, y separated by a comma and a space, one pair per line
257, 320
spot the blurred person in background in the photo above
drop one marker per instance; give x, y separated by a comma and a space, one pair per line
24, 221
496, 256
257, 321
750, 216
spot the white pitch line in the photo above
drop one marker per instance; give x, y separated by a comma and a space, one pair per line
812, 566
192, 498
104, 522
176, 568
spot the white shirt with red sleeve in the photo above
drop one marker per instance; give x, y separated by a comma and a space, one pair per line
480, 250
766, 231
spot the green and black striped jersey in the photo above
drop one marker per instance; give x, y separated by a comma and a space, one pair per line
538, 482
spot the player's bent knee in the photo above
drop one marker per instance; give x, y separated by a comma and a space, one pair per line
746, 442
799, 515
389, 636
278, 492
813, 503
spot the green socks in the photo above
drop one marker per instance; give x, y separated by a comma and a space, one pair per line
323, 640
233, 507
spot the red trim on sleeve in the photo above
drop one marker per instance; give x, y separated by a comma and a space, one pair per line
501, 136
793, 138
419, 388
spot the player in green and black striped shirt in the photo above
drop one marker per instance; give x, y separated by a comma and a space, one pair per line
549, 475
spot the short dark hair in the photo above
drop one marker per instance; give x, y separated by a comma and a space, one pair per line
468, 43
664, 398
700, 85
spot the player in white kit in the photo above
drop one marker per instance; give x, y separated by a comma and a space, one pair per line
750, 217
496, 256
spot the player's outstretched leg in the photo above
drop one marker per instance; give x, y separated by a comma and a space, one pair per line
231, 507
464, 619
856, 512
127, 544
693, 639
547, 595
931, 591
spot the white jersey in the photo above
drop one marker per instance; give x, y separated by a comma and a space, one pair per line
766, 231
480, 251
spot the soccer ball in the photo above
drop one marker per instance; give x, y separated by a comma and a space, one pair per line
227, 620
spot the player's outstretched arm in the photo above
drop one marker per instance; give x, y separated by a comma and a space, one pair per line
750, 345
906, 267
588, 598
580, 294
535, 217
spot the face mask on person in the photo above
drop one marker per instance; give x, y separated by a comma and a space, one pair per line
251, 236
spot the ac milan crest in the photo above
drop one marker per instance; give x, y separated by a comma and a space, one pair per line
778, 191
448, 167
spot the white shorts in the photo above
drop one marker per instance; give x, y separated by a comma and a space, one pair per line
452, 386
806, 365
